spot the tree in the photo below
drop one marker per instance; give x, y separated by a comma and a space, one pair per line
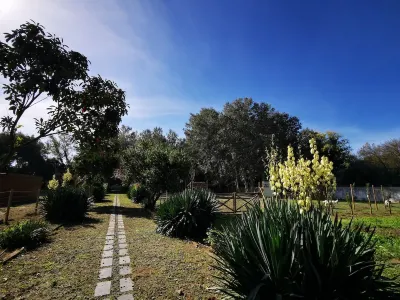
31, 159
61, 147
228, 147
157, 162
384, 159
330, 144
38, 66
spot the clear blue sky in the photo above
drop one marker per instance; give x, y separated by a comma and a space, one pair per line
334, 64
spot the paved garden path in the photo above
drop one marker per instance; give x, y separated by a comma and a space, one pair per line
114, 274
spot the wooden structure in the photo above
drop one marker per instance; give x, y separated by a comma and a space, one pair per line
238, 202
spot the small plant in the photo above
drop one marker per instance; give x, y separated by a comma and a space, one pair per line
280, 253
29, 234
188, 214
53, 184
98, 192
65, 204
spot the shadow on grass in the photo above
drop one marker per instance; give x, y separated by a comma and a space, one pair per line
86, 222
129, 212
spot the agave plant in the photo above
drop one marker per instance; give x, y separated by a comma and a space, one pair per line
187, 214
280, 253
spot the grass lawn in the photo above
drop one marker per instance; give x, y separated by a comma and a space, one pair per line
162, 266
65, 268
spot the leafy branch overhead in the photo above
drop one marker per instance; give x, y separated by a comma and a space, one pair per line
39, 66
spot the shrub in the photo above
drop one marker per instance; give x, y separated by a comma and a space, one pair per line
65, 204
137, 192
188, 214
27, 234
98, 192
279, 253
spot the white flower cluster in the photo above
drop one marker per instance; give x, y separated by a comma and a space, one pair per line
303, 179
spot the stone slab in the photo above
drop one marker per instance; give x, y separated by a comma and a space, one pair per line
106, 262
109, 242
123, 252
125, 270
108, 247
125, 285
108, 253
102, 288
126, 297
124, 260
105, 273
122, 246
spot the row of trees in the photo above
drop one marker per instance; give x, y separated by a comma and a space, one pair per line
225, 148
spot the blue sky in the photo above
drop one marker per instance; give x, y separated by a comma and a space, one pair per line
334, 64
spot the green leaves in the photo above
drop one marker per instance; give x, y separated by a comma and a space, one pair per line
279, 253
39, 66
188, 214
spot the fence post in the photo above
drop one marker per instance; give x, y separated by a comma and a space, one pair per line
373, 191
234, 202
8, 206
37, 201
352, 197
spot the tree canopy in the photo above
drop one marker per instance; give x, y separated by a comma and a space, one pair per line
37, 66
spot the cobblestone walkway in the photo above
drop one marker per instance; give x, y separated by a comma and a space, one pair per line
114, 275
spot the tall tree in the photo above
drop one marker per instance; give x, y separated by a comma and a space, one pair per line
229, 146
384, 158
62, 147
37, 66
159, 163
329, 144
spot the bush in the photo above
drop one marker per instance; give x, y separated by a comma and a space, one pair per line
28, 234
65, 204
279, 253
188, 214
137, 192
98, 192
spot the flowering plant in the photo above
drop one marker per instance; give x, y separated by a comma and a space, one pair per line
53, 184
302, 179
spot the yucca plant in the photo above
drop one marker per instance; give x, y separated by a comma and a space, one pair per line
27, 234
187, 214
280, 253
65, 204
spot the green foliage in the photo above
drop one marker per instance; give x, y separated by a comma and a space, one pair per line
65, 204
227, 146
137, 192
98, 192
157, 162
29, 234
38, 65
279, 253
188, 214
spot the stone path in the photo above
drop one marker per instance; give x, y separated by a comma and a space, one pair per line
114, 275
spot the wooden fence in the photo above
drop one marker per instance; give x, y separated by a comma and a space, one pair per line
12, 197
230, 202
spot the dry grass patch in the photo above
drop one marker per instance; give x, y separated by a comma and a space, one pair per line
65, 268
163, 267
